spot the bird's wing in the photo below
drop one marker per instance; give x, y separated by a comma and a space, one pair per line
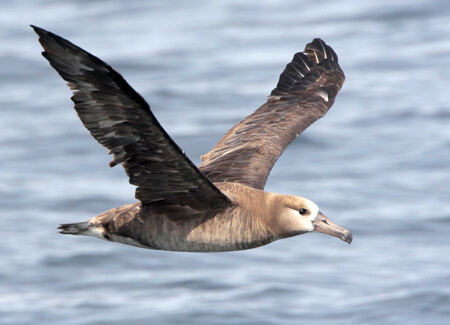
121, 120
306, 90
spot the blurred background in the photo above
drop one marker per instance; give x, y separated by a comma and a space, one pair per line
378, 163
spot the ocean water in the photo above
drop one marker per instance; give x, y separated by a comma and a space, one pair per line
378, 163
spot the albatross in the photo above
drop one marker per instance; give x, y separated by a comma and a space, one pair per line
220, 205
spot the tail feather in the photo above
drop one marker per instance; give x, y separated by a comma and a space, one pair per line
74, 228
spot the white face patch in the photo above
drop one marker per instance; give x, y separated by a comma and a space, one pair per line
314, 210
294, 216
300, 222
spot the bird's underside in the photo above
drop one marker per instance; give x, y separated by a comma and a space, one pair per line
137, 225
220, 205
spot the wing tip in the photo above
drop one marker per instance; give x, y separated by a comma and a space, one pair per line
42, 33
306, 67
318, 49
50, 42
37, 29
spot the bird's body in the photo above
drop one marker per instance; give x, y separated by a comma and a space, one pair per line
242, 226
220, 205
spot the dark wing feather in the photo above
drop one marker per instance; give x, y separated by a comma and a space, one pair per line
121, 120
306, 90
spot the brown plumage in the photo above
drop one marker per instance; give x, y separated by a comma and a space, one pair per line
220, 205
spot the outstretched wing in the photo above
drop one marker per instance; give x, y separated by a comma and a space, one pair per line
121, 120
306, 90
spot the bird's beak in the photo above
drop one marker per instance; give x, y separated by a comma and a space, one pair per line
324, 225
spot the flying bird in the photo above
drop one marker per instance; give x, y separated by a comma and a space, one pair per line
220, 205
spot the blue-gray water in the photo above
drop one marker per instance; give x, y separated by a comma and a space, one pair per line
378, 163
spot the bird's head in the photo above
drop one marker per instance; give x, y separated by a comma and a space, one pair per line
296, 215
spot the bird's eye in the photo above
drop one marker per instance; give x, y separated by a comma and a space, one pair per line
303, 211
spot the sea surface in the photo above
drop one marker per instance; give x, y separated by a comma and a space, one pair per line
378, 163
